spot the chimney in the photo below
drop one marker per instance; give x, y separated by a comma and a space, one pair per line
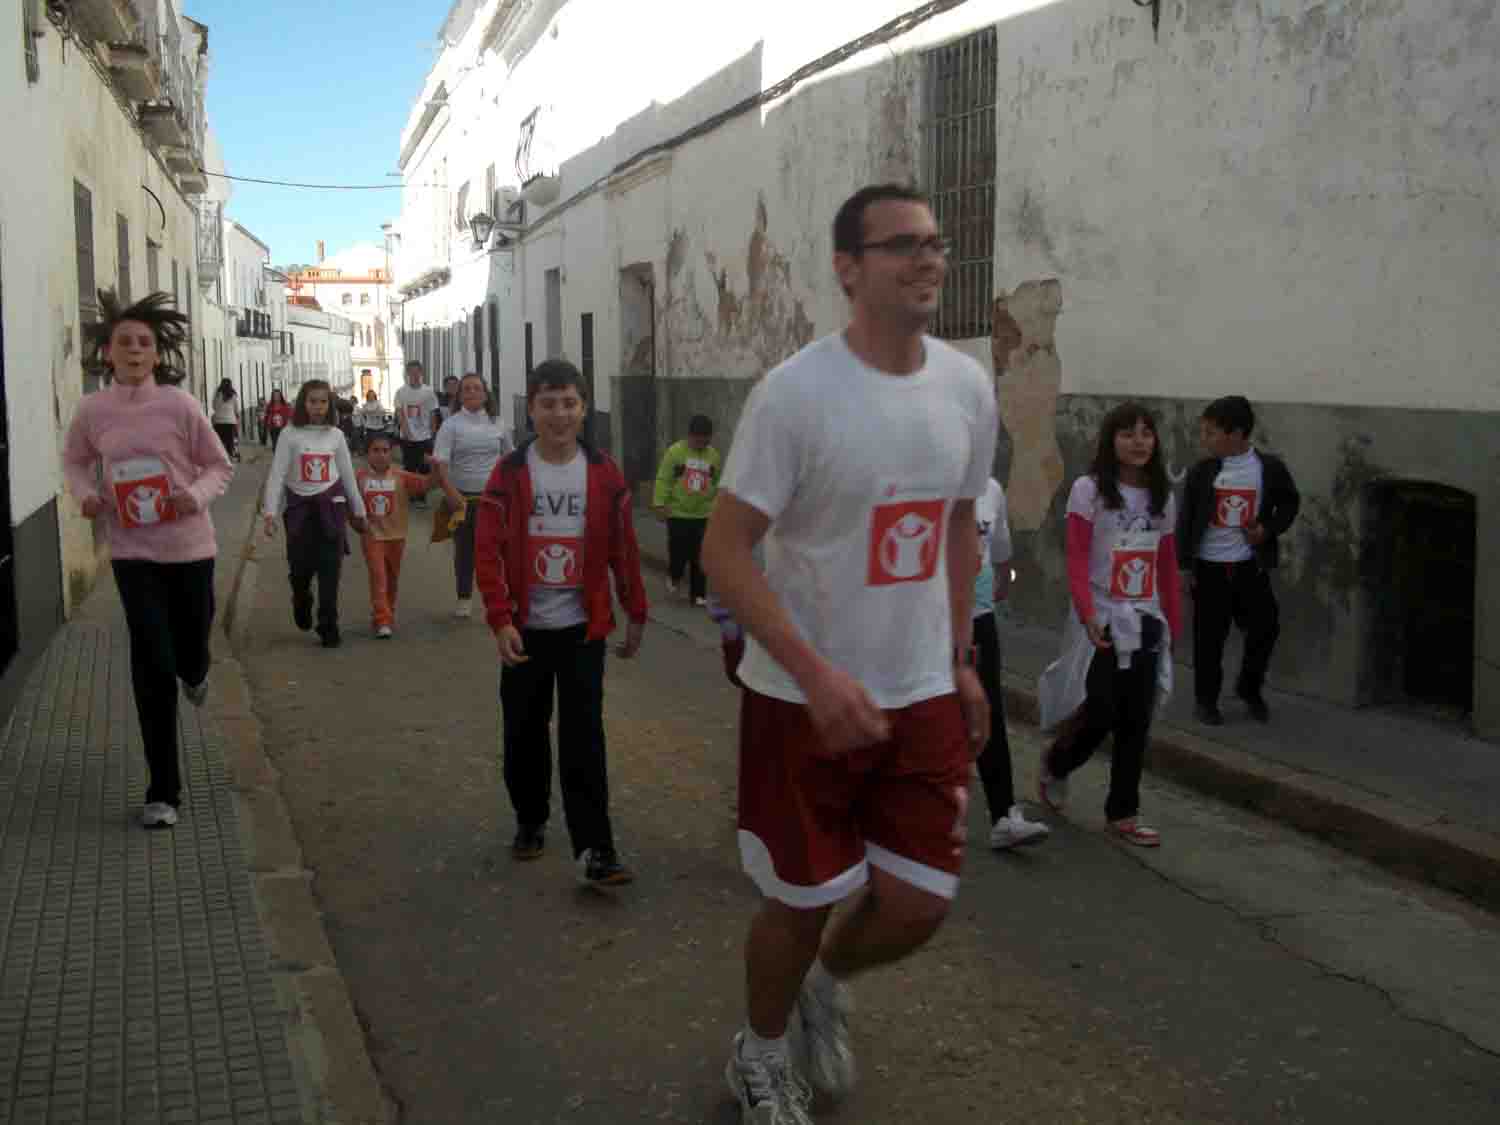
320, 251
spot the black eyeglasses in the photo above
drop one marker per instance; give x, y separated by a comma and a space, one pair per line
910, 245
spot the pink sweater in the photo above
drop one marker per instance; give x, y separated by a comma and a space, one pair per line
121, 444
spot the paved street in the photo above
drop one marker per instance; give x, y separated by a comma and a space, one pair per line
1242, 974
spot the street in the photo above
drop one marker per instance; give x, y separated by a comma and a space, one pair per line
1241, 974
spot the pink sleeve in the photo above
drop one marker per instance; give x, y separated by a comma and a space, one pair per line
80, 459
207, 454
1170, 583
1080, 544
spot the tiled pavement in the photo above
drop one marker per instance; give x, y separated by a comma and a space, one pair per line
134, 981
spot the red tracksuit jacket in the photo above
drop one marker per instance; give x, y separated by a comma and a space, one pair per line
609, 544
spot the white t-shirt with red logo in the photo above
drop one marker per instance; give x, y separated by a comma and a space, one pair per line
1237, 493
1123, 560
417, 405
310, 460
858, 471
554, 535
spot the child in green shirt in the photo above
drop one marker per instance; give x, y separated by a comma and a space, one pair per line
686, 485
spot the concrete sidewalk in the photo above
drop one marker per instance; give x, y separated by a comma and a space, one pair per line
1418, 796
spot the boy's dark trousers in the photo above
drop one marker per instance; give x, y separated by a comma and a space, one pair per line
312, 553
684, 546
1238, 593
412, 453
994, 760
169, 610
1119, 701
562, 657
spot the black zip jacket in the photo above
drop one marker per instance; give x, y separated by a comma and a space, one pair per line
1278, 508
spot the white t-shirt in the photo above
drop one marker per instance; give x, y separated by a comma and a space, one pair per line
226, 410
994, 544
470, 443
858, 471
310, 460
1237, 493
1123, 559
555, 541
416, 405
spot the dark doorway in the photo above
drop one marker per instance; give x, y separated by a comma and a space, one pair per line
634, 400
9, 634
494, 343
1419, 548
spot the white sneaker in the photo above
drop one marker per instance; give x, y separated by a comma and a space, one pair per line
671, 588
825, 1055
158, 814
196, 694
464, 608
700, 602
1014, 830
769, 1091
383, 633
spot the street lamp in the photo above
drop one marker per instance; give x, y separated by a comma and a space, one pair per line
480, 226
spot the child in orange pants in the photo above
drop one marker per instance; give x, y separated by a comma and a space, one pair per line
386, 492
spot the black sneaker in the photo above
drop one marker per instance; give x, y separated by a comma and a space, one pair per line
302, 612
1257, 705
601, 867
330, 635
1208, 714
529, 843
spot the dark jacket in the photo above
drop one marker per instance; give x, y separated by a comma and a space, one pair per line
609, 544
1278, 508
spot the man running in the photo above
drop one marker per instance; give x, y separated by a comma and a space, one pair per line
859, 461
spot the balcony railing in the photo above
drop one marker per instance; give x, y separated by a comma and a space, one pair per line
210, 241
105, 21
253, 325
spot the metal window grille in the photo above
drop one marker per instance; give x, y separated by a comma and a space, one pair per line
523, 145
153, 266
83, 232
31, 31
530, 364
958, 174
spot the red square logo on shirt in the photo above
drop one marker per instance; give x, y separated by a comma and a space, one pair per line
556, 561
695, 480
316, 468
1234, 507
145, 502
1132, 575
905, 541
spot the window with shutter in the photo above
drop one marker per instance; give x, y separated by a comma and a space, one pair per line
122, 259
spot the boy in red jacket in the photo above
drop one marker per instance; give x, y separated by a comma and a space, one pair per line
554, 521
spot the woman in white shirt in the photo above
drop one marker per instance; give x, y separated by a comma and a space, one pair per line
369, 419
226, 418
469, 445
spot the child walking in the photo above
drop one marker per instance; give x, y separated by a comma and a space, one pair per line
386, 492
1116, 662
312, 480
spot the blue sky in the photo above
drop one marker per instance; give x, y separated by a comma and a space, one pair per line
315, 92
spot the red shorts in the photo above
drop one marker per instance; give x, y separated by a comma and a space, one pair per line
810, 826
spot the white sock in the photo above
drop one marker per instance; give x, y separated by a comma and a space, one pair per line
820, 980
752, 1046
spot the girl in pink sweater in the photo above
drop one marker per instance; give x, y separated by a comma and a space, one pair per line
141, 456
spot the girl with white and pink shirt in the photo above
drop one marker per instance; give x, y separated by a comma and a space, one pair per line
141, 456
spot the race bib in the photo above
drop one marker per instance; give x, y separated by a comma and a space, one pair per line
696, 477
557, 561
905, 539
380, 497
1234, 507
276, 421
315, 468
1132, 565
143, 494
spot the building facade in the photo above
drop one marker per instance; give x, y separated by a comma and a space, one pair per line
105, 100
356, 284
1294, 201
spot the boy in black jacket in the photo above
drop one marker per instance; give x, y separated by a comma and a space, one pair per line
1235, 506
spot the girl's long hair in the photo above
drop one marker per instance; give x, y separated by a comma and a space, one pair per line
1106, 467
299, 411
158, 313
226, 388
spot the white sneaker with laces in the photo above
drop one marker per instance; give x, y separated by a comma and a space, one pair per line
1014, 830
825, 1055
158, 814
671, 588
464, 608
383, 633
769, 1091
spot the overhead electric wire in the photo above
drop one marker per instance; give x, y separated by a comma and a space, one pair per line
291, 183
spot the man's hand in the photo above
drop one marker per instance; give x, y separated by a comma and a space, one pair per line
512, 651
1099, 634
92, 506
270, 525
632, 643
975, 706
186, 504
843, 713
1255, 534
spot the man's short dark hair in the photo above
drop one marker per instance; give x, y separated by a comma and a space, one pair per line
700, 425
1231, 413
555, 375
450, 379
417, 363
849, 223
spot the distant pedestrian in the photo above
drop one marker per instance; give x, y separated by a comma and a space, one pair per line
686, 484
226, 418
468, 447
554, 522
417, 414
448, 403
1116, 664
260, 419
386, 491
161, 465
369, 419
859, 460
1009, 826
312, 480
1237, 504
278, 416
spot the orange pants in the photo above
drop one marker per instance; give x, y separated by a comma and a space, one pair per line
383, 561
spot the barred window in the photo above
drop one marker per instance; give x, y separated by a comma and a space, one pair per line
958, 175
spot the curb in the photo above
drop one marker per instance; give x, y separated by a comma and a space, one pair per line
336, 1077
1410, 842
